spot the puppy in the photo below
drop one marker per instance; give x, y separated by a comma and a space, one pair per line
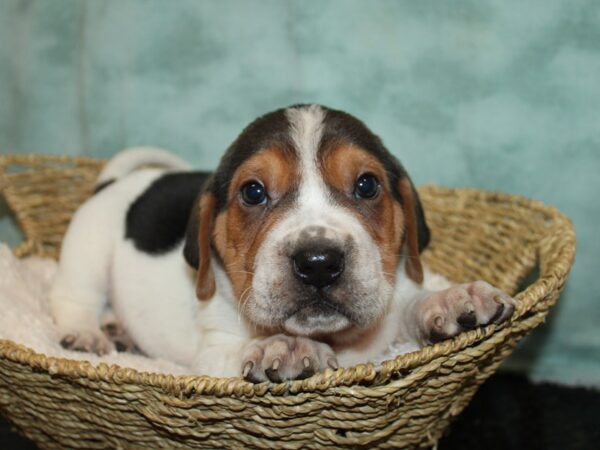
300, 252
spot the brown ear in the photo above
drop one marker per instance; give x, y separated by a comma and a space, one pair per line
197, 245
416, 233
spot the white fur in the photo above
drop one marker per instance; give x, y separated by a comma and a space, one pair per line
156, 299
80, 292
315, 208
26, 319
154, 296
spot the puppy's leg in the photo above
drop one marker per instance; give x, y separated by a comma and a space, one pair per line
79, 292
76, 310
280, 357
441, 315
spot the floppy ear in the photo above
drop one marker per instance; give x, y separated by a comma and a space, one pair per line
416, 232
196, 250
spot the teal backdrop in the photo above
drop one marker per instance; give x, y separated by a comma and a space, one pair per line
500, 95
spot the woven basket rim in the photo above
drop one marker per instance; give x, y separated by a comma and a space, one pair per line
33, 158
559, 252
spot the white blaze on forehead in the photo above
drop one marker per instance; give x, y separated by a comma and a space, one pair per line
306, 130
306, 123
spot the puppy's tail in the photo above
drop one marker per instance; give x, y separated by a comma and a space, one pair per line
133, 158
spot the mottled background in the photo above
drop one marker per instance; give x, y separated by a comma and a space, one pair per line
501, 95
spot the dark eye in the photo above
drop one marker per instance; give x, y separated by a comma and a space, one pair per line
254, 193
367, 186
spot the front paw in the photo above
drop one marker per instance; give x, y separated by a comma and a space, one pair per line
280, 357
446, 313
87, 341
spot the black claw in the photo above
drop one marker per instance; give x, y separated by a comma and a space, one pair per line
436, 336
121, 347
511, 310
111, 329
251, 378
135, 349
498, 313
67, 341
306, 373
273, 375
467, 320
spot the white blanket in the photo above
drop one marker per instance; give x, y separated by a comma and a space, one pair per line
25, 315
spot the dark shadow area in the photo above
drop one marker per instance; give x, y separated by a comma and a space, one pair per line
510, 413
10, 440
529, 350
529, 279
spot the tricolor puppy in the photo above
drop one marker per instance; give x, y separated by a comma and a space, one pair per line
300, 252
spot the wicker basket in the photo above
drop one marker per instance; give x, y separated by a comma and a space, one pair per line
60, 403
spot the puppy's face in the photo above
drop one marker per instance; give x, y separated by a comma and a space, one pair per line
310, 218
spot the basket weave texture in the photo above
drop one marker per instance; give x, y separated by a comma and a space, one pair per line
408, 403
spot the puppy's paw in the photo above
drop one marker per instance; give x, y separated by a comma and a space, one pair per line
87, 341
280, 357
446, 313
119, 337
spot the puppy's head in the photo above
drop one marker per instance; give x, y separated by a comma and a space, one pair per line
311, 218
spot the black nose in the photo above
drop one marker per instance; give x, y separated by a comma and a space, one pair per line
318, 267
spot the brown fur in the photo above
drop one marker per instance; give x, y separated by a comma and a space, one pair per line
205, 281
414, 268
381, 216
240, 229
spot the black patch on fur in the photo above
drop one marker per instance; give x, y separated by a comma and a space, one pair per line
156, 221
191, 252
102, 185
